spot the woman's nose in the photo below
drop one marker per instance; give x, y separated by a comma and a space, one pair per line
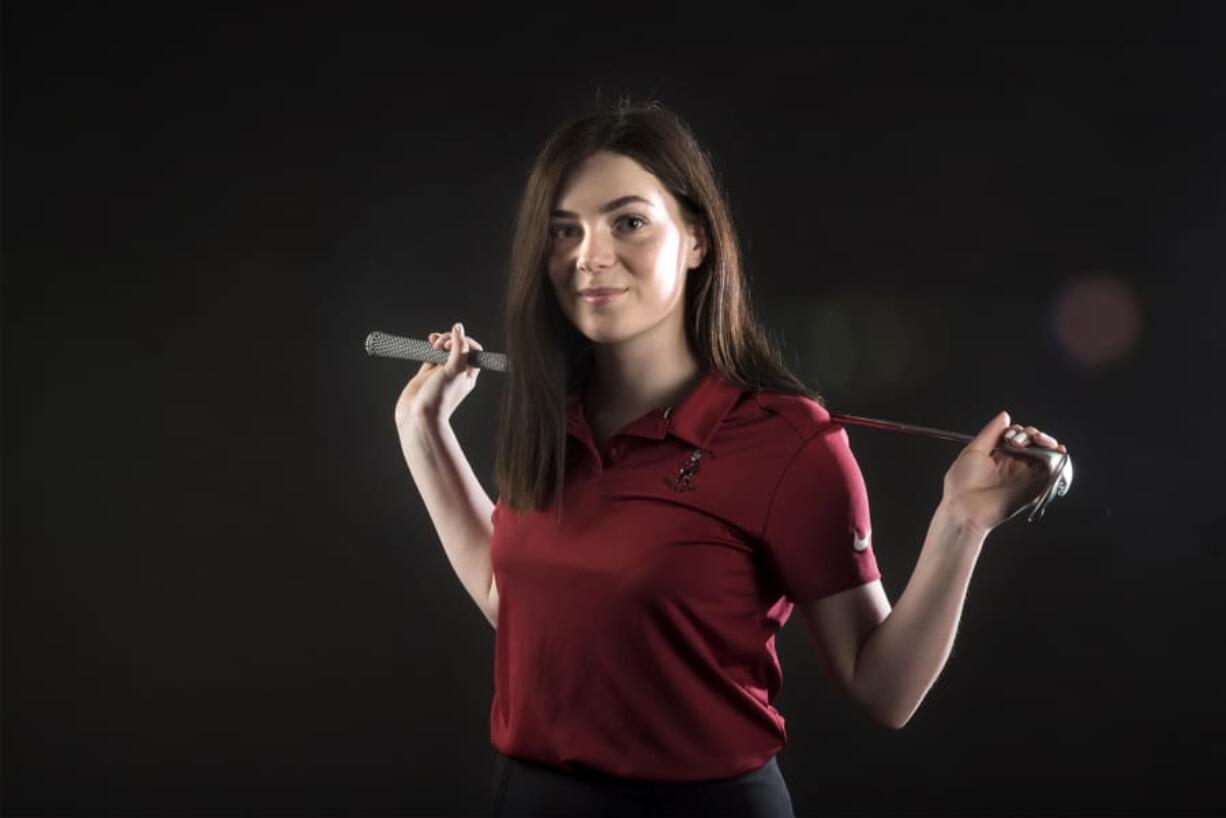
595, 252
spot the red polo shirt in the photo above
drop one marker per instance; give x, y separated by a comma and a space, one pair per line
637, 636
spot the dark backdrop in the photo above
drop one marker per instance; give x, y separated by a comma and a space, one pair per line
222, 592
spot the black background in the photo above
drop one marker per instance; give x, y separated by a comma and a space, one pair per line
222, 592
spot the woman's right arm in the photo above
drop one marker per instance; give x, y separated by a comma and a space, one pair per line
458, 505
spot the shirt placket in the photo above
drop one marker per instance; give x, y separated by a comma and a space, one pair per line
649, 428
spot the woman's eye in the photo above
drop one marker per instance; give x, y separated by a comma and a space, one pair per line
556, 231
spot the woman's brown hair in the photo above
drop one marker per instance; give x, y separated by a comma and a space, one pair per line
548, 355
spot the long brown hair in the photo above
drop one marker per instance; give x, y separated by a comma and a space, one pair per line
548, 355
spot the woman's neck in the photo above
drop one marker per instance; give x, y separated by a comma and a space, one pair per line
621, 388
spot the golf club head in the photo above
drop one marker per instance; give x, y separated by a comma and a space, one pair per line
1060, 464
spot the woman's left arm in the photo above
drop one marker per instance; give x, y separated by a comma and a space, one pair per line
887, 659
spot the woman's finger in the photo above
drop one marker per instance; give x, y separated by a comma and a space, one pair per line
1042, 438
1017, 437
1029, 434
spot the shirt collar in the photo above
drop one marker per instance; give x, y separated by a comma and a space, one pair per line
693, 418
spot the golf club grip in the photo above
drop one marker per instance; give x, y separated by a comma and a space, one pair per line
386, 345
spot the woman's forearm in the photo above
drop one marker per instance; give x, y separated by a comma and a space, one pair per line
902, 658
458, 505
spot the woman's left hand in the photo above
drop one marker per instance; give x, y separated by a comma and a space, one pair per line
984, 487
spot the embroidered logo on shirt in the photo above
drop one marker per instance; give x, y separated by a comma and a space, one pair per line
858, 543
684, 481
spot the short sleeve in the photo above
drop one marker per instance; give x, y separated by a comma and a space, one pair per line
818, 533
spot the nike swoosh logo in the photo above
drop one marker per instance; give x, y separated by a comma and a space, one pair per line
860, 544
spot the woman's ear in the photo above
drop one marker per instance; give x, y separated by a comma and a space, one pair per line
698, 245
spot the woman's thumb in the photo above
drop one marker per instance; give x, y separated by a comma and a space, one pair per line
989, 435
458, 349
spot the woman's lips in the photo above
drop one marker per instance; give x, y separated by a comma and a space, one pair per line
601, 296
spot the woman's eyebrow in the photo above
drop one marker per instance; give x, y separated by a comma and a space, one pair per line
613, 205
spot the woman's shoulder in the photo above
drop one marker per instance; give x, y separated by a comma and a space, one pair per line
804, 415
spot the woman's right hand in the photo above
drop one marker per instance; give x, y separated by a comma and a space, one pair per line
438, 389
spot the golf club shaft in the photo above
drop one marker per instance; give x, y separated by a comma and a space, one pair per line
892, 426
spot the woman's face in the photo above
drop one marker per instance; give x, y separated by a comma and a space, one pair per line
641, 247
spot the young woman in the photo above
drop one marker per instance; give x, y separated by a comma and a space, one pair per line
700, 493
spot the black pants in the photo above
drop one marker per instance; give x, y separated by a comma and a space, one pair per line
523, 788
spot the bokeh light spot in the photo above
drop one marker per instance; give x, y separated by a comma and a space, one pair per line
1096, 319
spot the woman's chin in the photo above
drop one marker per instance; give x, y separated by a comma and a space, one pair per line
602, 335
